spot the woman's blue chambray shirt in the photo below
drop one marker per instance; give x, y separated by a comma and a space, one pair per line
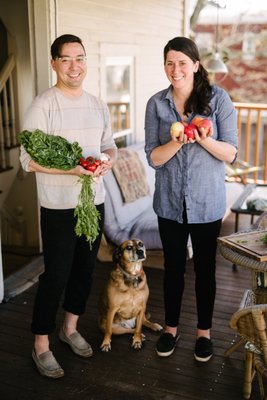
192, 174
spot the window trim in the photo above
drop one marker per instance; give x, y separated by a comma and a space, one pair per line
121, 54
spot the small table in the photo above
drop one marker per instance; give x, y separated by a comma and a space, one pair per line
240, 207
247, 250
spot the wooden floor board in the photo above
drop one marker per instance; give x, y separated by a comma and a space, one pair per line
123, 373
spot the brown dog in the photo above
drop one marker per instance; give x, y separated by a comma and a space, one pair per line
122, 306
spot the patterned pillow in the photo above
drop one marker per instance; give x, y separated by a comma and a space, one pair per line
130, 175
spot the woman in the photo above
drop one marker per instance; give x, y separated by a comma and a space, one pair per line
189, 194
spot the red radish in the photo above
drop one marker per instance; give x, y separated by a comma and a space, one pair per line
90, 163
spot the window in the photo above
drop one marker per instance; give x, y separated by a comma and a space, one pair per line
119, 95
118, 88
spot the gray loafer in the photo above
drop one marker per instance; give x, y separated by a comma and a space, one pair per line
77, 343
47, 365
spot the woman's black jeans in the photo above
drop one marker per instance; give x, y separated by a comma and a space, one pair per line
68, 265
174, 237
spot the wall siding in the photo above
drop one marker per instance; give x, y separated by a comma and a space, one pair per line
146, 24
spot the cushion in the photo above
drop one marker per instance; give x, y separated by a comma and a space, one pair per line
145, 227
117, 211
130, 174
233, 191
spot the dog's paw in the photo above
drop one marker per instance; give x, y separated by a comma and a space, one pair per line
137, 345
138, 341
105, 347
158, 327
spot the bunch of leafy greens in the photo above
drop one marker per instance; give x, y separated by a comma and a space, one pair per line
52, 151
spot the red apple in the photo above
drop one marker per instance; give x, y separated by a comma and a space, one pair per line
176, 129
189, 131
197, 120
206, 124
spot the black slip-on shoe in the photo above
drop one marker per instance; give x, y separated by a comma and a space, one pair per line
203, 349
166, 344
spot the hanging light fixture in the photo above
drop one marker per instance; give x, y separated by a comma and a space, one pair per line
215, 64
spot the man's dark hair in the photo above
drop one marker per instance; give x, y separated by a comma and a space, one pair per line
60, 41
199, 100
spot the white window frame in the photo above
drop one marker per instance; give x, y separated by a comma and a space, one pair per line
115, 54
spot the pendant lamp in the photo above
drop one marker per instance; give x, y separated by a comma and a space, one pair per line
215, 64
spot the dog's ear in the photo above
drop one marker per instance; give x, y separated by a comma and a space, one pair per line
117, 255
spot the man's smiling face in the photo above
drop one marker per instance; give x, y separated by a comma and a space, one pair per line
70, 67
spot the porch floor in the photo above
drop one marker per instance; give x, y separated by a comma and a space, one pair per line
124, 373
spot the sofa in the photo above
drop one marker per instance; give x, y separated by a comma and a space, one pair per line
137, 219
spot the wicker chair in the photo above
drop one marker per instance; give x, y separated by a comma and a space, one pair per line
250, 323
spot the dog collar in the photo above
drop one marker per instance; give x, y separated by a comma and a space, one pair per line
131, 279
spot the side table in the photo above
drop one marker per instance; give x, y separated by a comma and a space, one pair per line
257, 268
247, 251
239, 207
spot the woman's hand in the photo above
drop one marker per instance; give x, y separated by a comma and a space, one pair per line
203, 133
178, 133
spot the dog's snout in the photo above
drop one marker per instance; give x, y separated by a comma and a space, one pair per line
140, 252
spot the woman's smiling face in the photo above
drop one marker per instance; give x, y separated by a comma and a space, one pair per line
180, 69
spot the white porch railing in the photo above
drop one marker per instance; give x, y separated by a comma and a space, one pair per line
252, 140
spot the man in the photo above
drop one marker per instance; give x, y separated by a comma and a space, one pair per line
68, 111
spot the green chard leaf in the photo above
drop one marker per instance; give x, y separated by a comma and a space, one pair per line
51, 151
